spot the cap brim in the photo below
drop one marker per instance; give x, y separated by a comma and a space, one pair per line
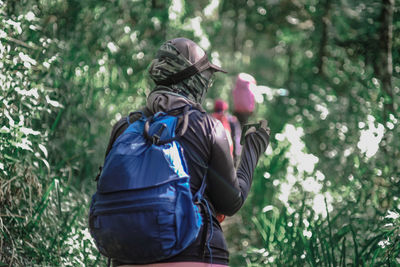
216, 68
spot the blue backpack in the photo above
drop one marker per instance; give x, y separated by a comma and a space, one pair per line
143, 210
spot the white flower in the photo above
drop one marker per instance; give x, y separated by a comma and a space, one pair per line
30, 16
384, 243
392, 215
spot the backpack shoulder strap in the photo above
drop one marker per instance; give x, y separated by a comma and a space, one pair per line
155, 138
136, 116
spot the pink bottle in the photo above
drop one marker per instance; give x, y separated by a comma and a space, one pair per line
243, 94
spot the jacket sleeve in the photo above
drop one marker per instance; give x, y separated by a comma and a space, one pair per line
228, 188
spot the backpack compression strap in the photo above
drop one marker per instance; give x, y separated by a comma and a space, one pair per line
155, 138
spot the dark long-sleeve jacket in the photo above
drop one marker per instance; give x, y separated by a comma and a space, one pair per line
206, 150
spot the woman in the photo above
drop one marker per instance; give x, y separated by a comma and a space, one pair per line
183, 74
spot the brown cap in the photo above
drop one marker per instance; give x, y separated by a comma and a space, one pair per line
194, 53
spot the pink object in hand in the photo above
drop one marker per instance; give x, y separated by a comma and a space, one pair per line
243, 94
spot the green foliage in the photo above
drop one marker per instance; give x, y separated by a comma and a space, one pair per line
329, 62
325, 193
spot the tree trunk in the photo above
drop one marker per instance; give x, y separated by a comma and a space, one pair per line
385, 57
384, 69
325, 21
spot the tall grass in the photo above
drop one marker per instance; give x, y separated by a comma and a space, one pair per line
54, 234
285, 241
277, 237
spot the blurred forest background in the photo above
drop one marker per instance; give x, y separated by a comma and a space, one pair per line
325, 194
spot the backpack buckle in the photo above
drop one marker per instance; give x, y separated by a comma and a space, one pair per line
155, 139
